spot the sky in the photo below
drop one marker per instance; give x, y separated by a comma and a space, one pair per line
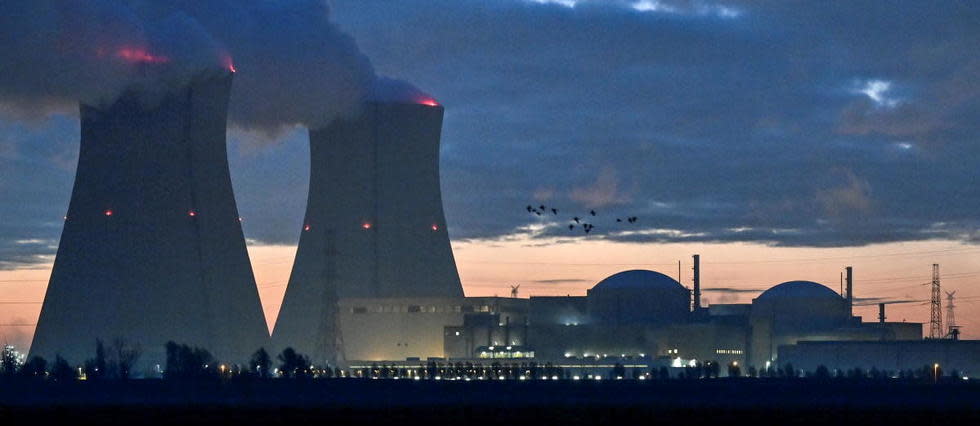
780, 140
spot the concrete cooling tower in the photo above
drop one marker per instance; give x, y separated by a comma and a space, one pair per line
152, 248
374, 224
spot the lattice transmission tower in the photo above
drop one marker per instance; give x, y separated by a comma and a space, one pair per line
936, 315
950, 315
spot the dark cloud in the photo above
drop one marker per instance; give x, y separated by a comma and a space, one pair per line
295, 66
826, 124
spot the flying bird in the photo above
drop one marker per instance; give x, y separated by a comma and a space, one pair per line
576, 219
529, 208
570, 227
592, 212
554, 211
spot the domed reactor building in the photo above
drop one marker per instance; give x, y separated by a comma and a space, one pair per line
374, 229
152, 248
641, 320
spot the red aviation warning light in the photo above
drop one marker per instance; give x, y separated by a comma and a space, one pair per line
428, 102
366, 225
191, 213
228, 63
108, 212
435, 227
306, 228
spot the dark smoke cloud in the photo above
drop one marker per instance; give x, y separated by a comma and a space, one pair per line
295, 67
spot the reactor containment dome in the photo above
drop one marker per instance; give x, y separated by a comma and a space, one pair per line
639, 296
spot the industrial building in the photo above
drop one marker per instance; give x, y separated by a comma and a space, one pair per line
374, 228
152, 248
641, 318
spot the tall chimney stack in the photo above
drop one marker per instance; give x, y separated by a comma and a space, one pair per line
881, 312
697, 282
850, 290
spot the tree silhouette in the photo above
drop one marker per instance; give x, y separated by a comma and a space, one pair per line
34, 368
789, 371
185, 362
734, 370
124, 356
292, 364
822, 372
618, 370
62, 372
96, 368
261, 364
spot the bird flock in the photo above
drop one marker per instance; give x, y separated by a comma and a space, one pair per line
579, 222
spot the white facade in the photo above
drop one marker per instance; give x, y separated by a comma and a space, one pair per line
152, 248
374, 225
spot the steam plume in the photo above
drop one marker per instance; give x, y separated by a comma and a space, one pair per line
295, 66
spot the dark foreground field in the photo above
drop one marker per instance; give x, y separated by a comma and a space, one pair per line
281, 402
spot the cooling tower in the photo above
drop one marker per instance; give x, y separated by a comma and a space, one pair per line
374, 223
152, 248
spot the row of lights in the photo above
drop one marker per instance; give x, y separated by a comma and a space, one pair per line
191, 213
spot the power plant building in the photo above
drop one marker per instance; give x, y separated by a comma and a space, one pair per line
152, 248
641, 317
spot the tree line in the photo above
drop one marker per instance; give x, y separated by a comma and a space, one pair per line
115, 361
